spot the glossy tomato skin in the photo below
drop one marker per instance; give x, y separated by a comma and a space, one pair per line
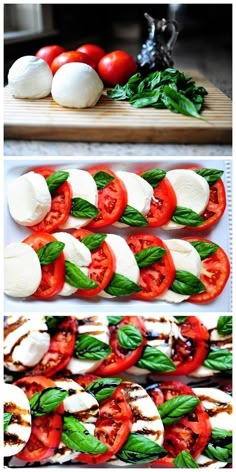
52, 274
116, 68
46, 429
86, 379
163, 205
71, 56
214, 274
102, 267
93, 51
48, 53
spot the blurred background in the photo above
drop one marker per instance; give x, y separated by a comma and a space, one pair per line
204, 42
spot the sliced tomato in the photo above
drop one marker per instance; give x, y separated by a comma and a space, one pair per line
60, 205
191, 433
112, 427
102, 267
60, 350
52, 274
120, 358
112, 200
214, 275
156, 278
46, 429
86, 379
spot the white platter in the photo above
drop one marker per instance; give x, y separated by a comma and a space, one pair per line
221, 234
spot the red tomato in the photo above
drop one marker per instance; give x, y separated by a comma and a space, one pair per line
102, 267
71, 56
52, 274
112, 427
214, 274
112, 200
60, 206
121, 359
48, 53
86, 379
163, 204
191, 433
92, 50
60, 350
47, 429
116, 67
156, 278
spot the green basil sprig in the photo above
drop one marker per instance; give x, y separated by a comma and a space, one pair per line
50, 252
121, 286
81, 208
184, 460
47, 400
55, 180
129, 337
76, 437
176, 101
155, 360
6, 420
75, 277
133, 217
186, 283
176, 408
52, 322
93, 241
225, 325
181, 319
211, 175
219, 359
103, 388
220, 445
139, 449
204, 249
187, 217
149, 256
154, 176
89, 347
103, 179
114, 320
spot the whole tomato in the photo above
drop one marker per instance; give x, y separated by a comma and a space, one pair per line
71, 56
48, 53
116, 67
92, 50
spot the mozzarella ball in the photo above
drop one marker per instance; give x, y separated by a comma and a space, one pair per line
30, 77
76, 85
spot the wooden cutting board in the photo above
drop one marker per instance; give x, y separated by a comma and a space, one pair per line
114, 121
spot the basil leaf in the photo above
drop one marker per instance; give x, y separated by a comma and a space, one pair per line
177, 102
176, 408
55, 180
186, 283
154, 176
184, 460
47, 400
129, 337
50, 252
89, 347
118, 93
225, 325
81, 208
181, 319
75, 277
52, 322
219, 453
139, 449
93, 241
219, 359
211, 175
6, 420
114, 320
204, 249
149, 255
103, 388
133, 217
121, 286
155, 360
187, 217
218, 433
76, 437
103, 179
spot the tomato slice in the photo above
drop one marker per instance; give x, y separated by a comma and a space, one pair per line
121, 359
47, 429
112, 200
52, 274
86, 379
191, 433
112, 427
60, 350
156, 278
60, 205
102, 267
214, 275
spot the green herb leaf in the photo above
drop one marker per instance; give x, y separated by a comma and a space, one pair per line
114, 320
176, 408
47, 400
93, 241
186, 283
219, 359
177, 102
184, 460
154, 176
187, 217
211, 175
55, 180
103, 388
218, 433
155, 360
50, 252
118, 93
89, 347
52, 322
219, 453
6, 420
225, 325
76, 437
103, 179
81, 208
149, 255
129, 337
138, 449
133, 217
204, 249
181, 319
121, 286
75, 277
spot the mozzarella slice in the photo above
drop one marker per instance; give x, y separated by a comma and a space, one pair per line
185, 257
83, 186
19, 428
139, 193
96, 326
204, 461
26, 340
125, 261
192, 191
22, 270
29, 199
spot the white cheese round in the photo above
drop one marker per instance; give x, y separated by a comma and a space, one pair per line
30, 77
218, 405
